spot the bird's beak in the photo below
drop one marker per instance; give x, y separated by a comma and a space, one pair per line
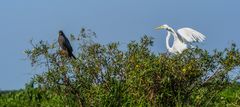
159, 28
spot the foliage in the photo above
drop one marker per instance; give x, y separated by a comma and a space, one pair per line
104, 75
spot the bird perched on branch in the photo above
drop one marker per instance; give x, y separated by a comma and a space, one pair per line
65, 44
182, 38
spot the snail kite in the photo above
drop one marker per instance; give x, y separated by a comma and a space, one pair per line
65, 44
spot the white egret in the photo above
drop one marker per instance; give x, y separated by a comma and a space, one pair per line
181, 38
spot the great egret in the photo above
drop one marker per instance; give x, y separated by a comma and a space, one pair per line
65, 44
181, 38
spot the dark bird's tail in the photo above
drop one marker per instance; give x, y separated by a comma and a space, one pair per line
71, 55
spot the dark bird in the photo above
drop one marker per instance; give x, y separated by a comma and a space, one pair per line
65, 44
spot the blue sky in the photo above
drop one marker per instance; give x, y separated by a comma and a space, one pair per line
122, 20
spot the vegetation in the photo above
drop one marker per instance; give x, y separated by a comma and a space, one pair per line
104, 75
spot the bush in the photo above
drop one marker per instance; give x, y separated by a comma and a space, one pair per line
104, 75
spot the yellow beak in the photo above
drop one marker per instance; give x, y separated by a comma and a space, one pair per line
159, 28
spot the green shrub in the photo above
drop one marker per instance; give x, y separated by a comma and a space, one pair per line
104, 75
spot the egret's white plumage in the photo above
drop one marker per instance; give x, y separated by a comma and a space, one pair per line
181, 38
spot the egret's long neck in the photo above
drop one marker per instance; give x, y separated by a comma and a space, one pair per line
167, 40
175, 37
173, 33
